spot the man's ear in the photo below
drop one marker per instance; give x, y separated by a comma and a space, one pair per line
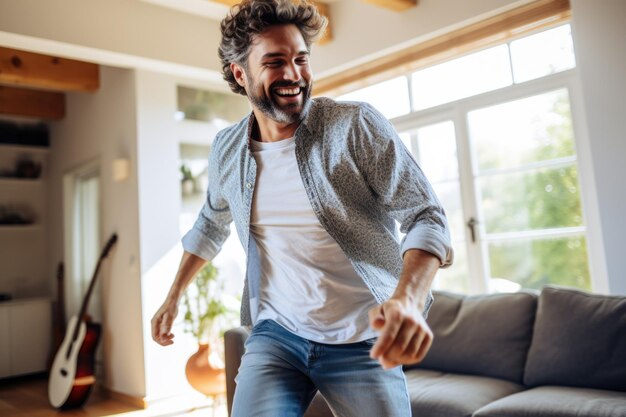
239, 74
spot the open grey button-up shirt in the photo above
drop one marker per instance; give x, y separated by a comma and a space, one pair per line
359, 178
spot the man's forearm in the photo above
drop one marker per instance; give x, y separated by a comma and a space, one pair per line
418, 271
189, 266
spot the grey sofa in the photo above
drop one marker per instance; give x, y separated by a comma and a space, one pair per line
557, 354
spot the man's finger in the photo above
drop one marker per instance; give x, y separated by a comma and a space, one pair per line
157, 328
411, 354
388, 333
376, 317
388, 364
154, 330
165, 324
424, 347
405, 336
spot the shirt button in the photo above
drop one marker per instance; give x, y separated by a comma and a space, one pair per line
248, 185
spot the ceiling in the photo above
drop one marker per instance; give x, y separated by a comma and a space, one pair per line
215, 10
205, 8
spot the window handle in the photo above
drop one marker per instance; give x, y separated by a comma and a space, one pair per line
472, 223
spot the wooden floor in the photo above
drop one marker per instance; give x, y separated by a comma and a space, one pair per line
28, 397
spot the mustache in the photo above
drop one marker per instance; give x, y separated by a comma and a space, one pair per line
288, 84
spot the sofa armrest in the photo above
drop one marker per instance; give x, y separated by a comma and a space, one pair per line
234, 340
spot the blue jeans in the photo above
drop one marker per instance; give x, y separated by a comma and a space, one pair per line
281, 372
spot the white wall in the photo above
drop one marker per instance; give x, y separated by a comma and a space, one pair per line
102, 126
599, 31
159, 205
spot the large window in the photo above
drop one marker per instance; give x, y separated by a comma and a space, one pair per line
493, 131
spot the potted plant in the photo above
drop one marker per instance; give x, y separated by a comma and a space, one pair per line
207, 314
186, 180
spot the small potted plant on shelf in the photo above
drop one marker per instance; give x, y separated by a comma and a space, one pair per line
187, 182
207, 313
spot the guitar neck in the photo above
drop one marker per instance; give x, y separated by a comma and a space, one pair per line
92, 283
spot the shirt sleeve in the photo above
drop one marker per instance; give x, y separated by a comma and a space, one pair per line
401, 186
212, 227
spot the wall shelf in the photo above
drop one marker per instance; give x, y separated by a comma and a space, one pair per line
19, 227
20, 181
24, 148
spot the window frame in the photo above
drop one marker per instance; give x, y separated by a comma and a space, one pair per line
507, 26
457, 112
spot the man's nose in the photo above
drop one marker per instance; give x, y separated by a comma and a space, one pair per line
292, 72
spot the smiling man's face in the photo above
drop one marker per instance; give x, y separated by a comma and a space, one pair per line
278, 76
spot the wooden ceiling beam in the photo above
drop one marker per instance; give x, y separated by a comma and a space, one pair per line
46, 105
229, 3
28, 69
395, 5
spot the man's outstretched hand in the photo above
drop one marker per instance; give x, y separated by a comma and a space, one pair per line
404, 337
162, 324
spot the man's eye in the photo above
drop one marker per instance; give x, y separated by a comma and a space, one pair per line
273, 64
302, 61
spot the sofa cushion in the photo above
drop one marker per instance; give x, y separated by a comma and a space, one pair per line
437, 394
579, 340
551, 401
485, 335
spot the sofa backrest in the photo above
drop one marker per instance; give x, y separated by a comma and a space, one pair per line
579, 340
487, 335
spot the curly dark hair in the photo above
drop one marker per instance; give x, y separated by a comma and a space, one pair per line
251, 17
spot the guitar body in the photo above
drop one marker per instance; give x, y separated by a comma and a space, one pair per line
72, 376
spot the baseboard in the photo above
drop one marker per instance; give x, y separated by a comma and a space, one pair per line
176, 404
180, 404
128, 399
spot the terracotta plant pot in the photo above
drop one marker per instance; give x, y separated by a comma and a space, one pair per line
205, 371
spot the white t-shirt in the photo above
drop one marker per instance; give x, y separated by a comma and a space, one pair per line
308, 285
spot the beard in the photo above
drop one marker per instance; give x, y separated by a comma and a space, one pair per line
269, 106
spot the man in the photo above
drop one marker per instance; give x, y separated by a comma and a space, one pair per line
314, 188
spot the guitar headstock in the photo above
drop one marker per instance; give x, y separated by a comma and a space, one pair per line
110, 243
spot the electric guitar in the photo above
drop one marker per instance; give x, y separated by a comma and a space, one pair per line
72, 375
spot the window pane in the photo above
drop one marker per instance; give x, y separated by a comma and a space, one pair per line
436, 151
449, 193
462, 77
538, 199
454, 278
534, 263
391, 97
524, 131
542, 54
